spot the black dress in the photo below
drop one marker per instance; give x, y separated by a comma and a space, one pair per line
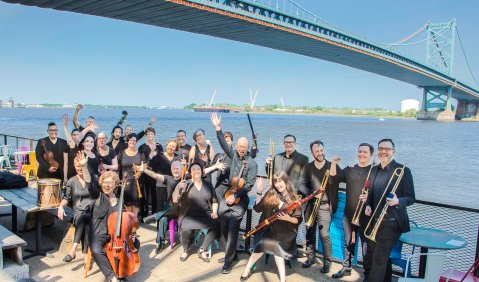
131, 192
279, 238
199, 207
108, 158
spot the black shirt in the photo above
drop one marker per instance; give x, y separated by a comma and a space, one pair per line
120, 147
311, 179
292, 165
354, 177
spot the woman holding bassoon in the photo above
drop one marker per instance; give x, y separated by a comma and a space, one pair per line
279, 239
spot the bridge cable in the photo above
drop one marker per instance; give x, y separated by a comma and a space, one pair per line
465, 57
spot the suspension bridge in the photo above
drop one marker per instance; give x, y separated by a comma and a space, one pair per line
425, 58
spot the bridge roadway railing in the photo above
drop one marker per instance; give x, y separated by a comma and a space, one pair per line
457, 220
300, 19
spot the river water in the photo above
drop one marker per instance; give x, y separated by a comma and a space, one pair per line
443, 157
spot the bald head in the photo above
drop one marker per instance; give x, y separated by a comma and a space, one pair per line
242, 146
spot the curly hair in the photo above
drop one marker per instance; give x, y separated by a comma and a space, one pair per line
108, 174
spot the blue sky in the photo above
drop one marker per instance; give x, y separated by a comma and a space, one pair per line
60, 57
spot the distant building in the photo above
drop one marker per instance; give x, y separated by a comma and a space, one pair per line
409, 104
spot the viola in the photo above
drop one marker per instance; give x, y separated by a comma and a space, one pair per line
121, 252
236, 184
48, 156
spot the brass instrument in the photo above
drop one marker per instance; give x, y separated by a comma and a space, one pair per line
399, 172
270, 167
317, 203
360, 206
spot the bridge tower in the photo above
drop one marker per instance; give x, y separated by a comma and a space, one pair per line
436, 101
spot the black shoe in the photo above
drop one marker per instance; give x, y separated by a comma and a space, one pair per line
342, 272
226, 269
326, 267
159, 248
244, 278
309, 262
149, 219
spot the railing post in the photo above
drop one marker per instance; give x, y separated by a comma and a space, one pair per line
4, 139
31, 145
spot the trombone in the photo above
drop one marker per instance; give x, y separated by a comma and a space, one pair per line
399, 172
317, 203
270, 166
360, 206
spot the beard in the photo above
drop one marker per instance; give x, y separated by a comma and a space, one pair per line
116, 137
319, 159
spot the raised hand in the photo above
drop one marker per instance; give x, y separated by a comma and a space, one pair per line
81, 158
65, 120
219, 165
79, 106
216, 121
153, 119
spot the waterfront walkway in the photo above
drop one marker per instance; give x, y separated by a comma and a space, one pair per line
163, 267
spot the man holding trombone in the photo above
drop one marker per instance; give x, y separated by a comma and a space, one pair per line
392, 190
320, 209
357, 179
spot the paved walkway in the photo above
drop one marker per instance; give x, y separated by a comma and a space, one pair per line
163, 267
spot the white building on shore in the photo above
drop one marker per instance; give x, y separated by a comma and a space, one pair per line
409, 104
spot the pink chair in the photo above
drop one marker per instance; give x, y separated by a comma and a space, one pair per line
172, 225
20, 164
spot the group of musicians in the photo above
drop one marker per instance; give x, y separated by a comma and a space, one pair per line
177, 184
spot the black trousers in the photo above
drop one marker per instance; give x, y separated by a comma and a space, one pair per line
323, 219
230, 222
387, 236
97, 243
81, 223
187, 238
148, 189
161, 199
349, 247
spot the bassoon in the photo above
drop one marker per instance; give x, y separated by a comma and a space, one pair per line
291, 207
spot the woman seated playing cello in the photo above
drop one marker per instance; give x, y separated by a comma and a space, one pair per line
279, 239
103, 191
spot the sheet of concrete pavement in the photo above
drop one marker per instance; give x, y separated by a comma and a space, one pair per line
165, 266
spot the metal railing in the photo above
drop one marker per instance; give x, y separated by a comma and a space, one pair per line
18, 141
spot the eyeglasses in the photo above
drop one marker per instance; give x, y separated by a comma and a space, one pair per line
108, 182
384, 149
289, 142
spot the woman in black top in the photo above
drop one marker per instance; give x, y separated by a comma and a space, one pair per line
106, 154
88, 147
202, 152
279, 239
198, 210
129, 158
77, 194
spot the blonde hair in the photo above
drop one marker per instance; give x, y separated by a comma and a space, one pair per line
108, 174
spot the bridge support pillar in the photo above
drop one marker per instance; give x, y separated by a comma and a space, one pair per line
436, 104
467, 110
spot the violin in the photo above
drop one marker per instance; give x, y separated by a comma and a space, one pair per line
48, 156
236, 184
121, 252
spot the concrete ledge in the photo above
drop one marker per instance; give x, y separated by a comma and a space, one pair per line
436, 115
13, 272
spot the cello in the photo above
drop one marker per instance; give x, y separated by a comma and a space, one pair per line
121, 252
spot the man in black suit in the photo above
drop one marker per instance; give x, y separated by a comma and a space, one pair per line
396, 220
